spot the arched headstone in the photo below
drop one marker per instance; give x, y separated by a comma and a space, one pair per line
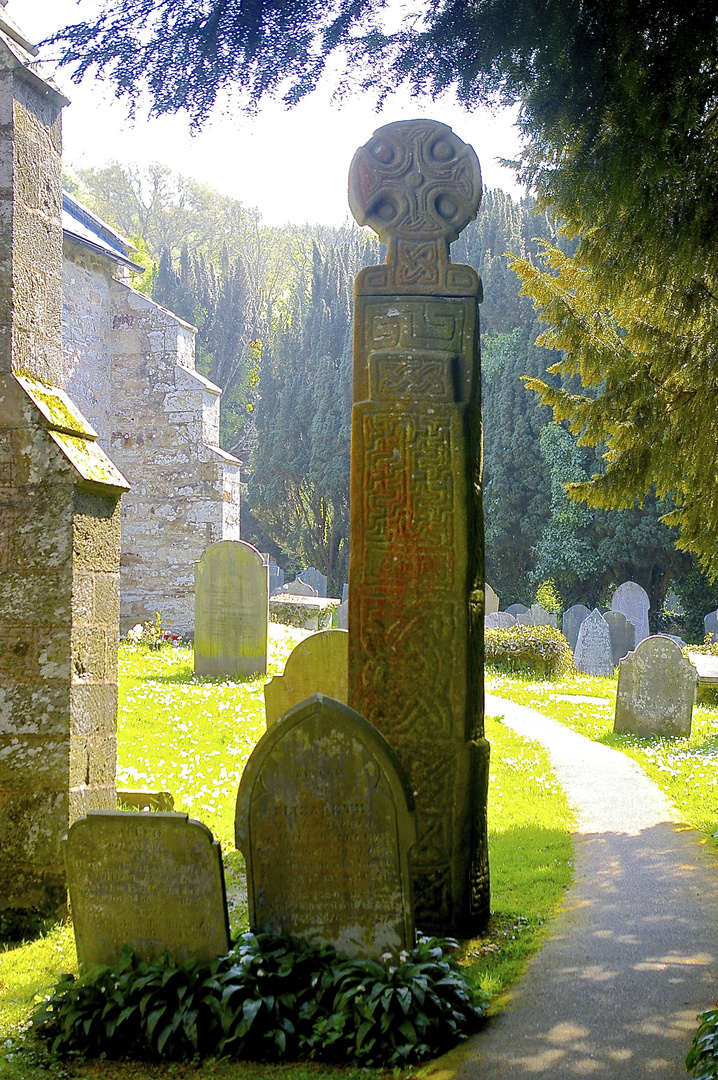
317, 665
623, 635
710, 624
633, 601
593, 655
516, 609
325, 823
231, 611
537, 616
656, 690
499, 619
299, 588
491, 600
571, 623
315, 578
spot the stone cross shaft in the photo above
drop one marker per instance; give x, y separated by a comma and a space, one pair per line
416, 599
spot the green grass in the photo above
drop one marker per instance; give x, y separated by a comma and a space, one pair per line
684, 768
192, 736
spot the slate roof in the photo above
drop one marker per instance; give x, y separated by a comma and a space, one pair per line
81, 226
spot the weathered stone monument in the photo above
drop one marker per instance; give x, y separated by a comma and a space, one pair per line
633, 601
315, 578
499, 620
491, 600
231, 611
592, 655
537, 616
153, 881
516, 609
416, 563
276, 578
299, 588
317, 665
343, 615
325, 823
656, 690
710, 624
623, 634
59, 524
571, 623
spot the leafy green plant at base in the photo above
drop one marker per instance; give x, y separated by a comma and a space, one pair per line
539, 649
702, 1058
269, 999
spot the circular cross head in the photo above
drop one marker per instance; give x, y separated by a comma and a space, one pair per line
415, 179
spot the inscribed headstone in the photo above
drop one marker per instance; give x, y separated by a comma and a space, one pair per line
345, 592
633, 601
710, 624
276, 578
343, 616
623, 635
315, 578
325, 823
151, 881
491, 600
231, 611
537, 616
317, 665
299, 588
572, 620
500, 619
516, 609
592, 655
656, 689
416, 559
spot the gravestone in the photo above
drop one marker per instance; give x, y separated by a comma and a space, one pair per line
537, 616
416, 559
592, 655
710, 624
516, 609
325, 823
633, 601
231, 611
151, 881
316, 579
299, 588
491, 600
345, 592
623, 635
571, 623
276, 578
499, 619
343, 616
656, 690
317, 665
707, 670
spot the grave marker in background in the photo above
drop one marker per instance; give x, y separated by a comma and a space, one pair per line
516, 609
710, 624
316, 579
491, 600
623, 635
325, 823
299, 588
633, 601
317, 665
656, 690
151, 881
416, 561
571, 624
593, 655
231, 611
537, 616
499, 619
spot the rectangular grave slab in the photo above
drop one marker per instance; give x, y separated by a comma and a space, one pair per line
152, 881
325, 823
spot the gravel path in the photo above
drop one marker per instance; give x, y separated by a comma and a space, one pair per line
633, 955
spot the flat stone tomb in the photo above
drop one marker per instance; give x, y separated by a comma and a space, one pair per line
153, 881
593, 655
632, 599
318, 665
325, 822
231, 611
571, 623
656, 690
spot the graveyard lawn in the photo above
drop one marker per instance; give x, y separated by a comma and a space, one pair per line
192, 736
684, 768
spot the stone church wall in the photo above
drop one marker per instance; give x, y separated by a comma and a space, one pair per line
129, 365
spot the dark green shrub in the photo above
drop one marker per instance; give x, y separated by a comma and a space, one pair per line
270, 999
702, 1058
541, 650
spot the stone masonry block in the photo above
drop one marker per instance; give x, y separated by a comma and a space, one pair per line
107, 598
34, 709
96, 542
88, 654
94, 708
18, 652
32, 825
83, 597
32, 763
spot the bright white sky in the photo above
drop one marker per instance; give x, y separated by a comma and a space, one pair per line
292, 165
